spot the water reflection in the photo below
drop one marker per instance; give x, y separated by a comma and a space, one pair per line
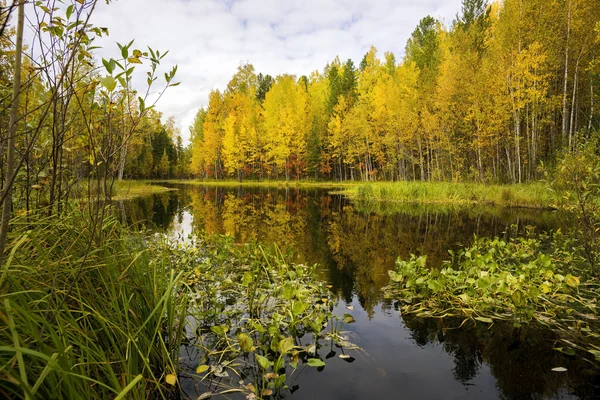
355, 247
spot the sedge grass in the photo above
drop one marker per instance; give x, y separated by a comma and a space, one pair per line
83, 320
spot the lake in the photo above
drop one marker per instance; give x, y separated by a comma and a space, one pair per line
403, 357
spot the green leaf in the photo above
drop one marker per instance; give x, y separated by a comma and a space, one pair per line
219, 329
263, 361
484, 282
109, 83
246, 342
518, 298
395, 276
285, 345
348, 319
572, 281
315, 362
70, 11
434, 285
484, 319
298, 307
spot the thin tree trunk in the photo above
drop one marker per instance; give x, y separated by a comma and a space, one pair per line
12, 131
573, 101
566, 77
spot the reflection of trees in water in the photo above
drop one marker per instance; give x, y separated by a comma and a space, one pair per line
354, 248
520, 359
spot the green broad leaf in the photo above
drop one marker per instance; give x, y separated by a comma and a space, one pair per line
263, 361
109, 83
395, 276
315, 362
348, 319
518, 298
109, 65
434, 285
289, 291
70, 11
285, 345
545, 287
142, 104
484, 282
246, 342
219, 329
298, 307
572, 281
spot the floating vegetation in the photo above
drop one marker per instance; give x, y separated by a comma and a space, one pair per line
522, 280
254, 319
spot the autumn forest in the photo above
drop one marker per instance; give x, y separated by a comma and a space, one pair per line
498, 96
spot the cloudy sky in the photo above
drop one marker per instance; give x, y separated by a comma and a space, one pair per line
209, 39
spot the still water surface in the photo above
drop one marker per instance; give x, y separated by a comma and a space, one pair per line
404, 357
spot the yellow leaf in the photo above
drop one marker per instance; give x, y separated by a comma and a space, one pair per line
201, 369
134, 60
137, 53
171, 379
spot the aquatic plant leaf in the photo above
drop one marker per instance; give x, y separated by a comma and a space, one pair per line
395, 276
572, 281
434, 285
484, 282
485, 319
205, 395
246, 342
171, 379
202, 368
315, 362
267, 392
219, 329
348, 319
546, 287
263, 361
518, 298
298, 307
285, 345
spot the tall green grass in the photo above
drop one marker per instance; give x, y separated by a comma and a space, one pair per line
82, 319
535, 195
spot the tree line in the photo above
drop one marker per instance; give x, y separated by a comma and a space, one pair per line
509, 88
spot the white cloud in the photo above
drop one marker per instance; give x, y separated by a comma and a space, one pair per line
209, 39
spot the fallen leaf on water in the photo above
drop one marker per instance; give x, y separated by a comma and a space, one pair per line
171, 379
559, 369
206, 395
344, 356
350, 308
267, 392
202, 368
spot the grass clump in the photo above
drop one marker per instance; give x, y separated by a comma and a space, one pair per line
86, 317
535, 195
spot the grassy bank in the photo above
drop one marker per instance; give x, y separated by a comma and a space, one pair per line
265, 183
99, 312
84, 316
535, 195
128, 189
